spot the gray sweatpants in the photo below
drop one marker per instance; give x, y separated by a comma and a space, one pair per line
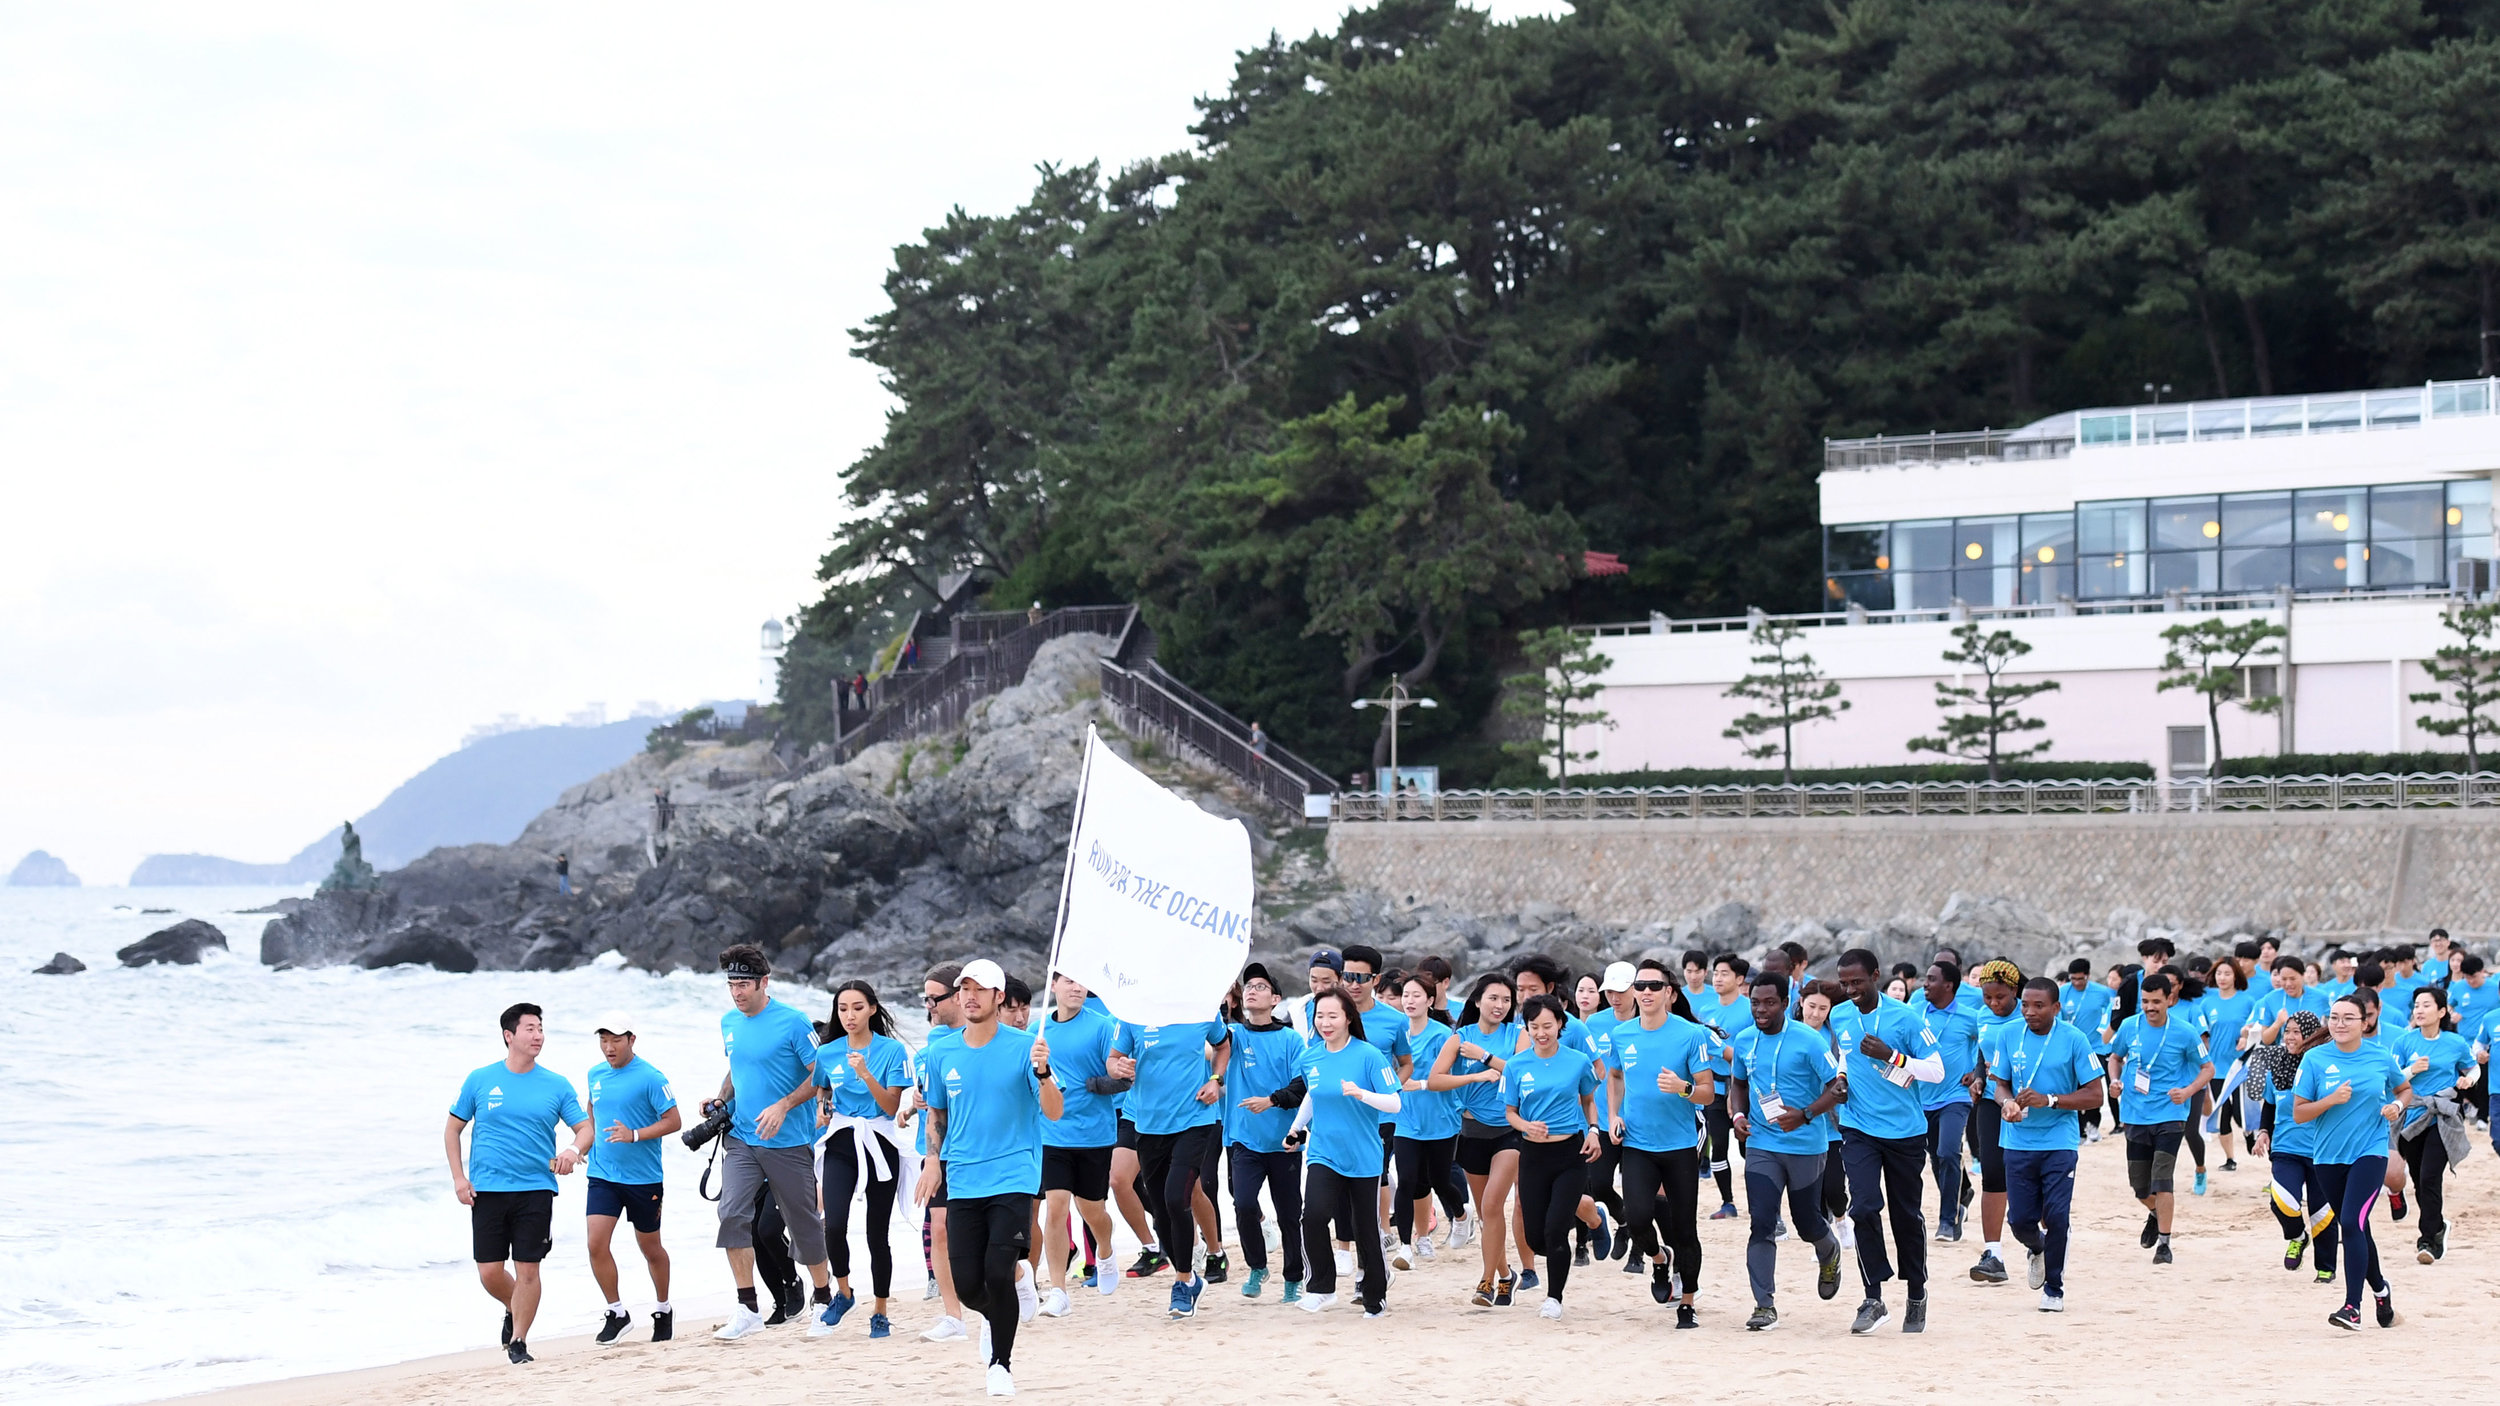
791, 1174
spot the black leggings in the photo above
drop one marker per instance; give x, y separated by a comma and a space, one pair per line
2426, 1161
986, 1238
2352, 1188
841, 1180
1168, 1168
1721, 1130
1661, 1203
1281, 1173
1551, 1178
1424, 1170
2194, 1133
1330, 1195
1835, 1186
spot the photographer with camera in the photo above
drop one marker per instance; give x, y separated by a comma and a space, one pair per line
770, 1142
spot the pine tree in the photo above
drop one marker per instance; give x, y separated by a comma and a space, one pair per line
1565, 668
2210, 656
1794, 691
1991, 712
2469, 671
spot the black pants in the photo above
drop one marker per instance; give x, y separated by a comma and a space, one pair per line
840, 1179
1551, 1178
773, 1266
1835, 1185
1721, 1131
1330, 1195
2426, 1161
1168, 1168
986, 1238
1661, 1206
1424, 1170
1281, 1174
1884, 1174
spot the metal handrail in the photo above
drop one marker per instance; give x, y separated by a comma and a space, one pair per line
1148, 700
937, 700
2443, 790
2189, 602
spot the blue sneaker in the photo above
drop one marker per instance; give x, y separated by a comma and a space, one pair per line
2200, 1183
1253, 1282
1185, 1298
878, 1327
1527, 1279
1602, 1239
1293, 1291
842, 1304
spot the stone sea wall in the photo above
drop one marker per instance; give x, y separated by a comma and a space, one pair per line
2317, 874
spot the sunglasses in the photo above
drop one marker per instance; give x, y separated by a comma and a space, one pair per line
928, 1000
1649, 986
1359, 978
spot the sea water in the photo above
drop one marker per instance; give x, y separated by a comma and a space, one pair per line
222, 1173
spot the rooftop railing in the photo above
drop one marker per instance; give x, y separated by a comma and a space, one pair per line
2176, 602
2410, 791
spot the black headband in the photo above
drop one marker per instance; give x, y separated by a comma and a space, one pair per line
747, 970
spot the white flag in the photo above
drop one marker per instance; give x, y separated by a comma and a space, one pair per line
1154, 912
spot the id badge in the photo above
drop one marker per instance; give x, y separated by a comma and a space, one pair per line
1772, 1108
2143, 1082
1898, 1077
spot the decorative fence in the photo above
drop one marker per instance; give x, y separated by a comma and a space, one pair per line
2411, 791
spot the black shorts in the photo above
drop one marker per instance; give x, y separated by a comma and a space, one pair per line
1475, 1154
1388, 1148
638, 1202
1082, 1172
1128, 1133
938, 1201
1987, 1132
519, 1226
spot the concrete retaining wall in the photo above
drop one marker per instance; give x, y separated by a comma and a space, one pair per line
2316, 873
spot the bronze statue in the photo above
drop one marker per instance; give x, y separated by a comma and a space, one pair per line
351, 872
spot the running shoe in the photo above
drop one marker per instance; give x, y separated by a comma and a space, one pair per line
781, 1313
1483, 1296
831, 1315
2161, 1253
1148, 1262
1502, 1289
2090, 1135
1423, 1244
1462, 1231
1028, 1294
1662, 1284
1727, 1211
507, 1329
2396, 1205
1779, 1230
1185, 1298
1602, 1239
1376, 1310
2230, 1164
2347, 1318
989, 1355
1763, 1319
1989, 1270
517, 1352
2052, 1303
1914, 1317
1685, 1317
614, 1325
1252, 1283
1403, 1257
1551, 1308
1105, 1279
929, 1288
1632, 1264
2326, 1276
1317, 1303
1293, 1291
1000, 1382
879, 1326
663, 1325
1948, 1233
1055, 1303
1847, 1233
1580, 1253
1388, 1241
2386, 1310
1527, 1279
947, 1329
2292, 1251
2038, 1273
2200, 1181
1218, 1268
1871, 1315
2439, 1246
743, 1322
2151, 1234
1970, 1190
1827, 1277
1345, 1261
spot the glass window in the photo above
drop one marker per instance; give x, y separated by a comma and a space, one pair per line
1871, 589
2047, 583
2327, 566
2407, 563
2407, 510
1922, 590
2468, 398
2184, 523
2329, 515
2269, 418
1858, 548
2106, 429
2256, 519
1985, 553
1922, 546
2109, 575
2221, 421
2334, 416
2395, 410
2469, 519
2161, 427
2185, 571
2049, 538
2114, 526
2256, 568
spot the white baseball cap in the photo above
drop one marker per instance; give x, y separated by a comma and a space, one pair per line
615, 1023
1618, 977
984, 974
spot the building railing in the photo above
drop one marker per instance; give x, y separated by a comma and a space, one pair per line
1150, 702
1989, 446
2410, 791
2177, 602
922, 703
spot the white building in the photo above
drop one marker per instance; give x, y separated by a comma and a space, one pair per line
2353, 519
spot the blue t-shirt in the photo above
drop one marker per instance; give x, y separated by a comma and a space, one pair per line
1725, 1020
2352, 1129
1263, 1062
1992, 1028
889, 1060
2087, 1010
1955, 1029
1548, 1089
1172, 1065
1654, 1121
1484, 1101
1384, 1029
2330, 989
2451, 1056
2167, 1056
2059, 1062
636, 1096
1793, 1066
770, 1055
1077, 1053
2224, 1018
1345, 1132
2291, 1138
2273, 1004
922, 1062
1423, 1114
1877, 1106
511, 1118
1600, 1026
993, 1106
2470, 1002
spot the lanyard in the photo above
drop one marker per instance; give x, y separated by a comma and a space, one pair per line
2037, 1060
2158, 1051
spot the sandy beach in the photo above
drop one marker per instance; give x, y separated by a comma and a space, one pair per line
2226, 1323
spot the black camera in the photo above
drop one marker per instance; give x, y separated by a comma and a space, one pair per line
713, 1125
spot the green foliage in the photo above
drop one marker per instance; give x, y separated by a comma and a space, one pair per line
2468, 672
1563, 668
2341, 764
668, 740
1794, 691
2208, 656
1991, 712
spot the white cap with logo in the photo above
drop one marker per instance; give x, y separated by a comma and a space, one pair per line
985, 974
1618, 977
615, 1023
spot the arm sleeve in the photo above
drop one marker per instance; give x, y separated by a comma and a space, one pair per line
1106, 1085
1926, 1069
1291, 1095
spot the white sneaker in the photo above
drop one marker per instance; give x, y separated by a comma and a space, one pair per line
1403, 1257
947, 1329
2052, 1303
1106, 1276
817, 1327
1345, 1261
1388, 1241
1423, 1247
928, 1288
1462, 1232
1551, 1308
1055, 1304
742, 1321
1848, 1235
1315, 1303
1028, 1298
1001, 1384
989, 1355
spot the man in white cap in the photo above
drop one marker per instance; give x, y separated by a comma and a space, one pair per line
1616, 987
631, 1109
989, 1091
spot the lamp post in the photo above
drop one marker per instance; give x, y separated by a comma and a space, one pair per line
1397, 701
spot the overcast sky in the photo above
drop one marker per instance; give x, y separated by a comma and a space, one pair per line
367, 372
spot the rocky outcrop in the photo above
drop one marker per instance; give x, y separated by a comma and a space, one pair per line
62, 964
179, 945
40, 870
418, 947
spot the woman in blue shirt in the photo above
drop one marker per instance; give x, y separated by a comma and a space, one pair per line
2226, 1012
2352, 1092
2000, 1001
1549, 1094
863, 1073
1347, 1084
2438, 1066
2297, 1195
1471, 1065
1426, 1127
